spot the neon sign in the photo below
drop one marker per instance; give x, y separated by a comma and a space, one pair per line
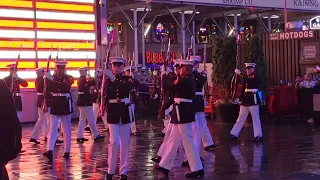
315, 23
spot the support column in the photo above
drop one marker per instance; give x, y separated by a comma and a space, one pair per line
183, 32
269, 24
143, 44
225, 28
135, 40
235, 25
194, 32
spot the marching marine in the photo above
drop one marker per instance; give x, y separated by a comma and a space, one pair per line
15, 87
58, 91
182, 117
119, 115
249, 102
86, 86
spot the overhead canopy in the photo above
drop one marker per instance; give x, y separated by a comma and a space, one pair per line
301, 5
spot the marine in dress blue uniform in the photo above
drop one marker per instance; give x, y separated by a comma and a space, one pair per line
182, 117
119, 116
86, 86
17, 82
43, 122
249, 102
204, 135
59, 92
168, 128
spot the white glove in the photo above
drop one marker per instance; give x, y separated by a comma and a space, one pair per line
155, 96
110, 75
236, 101
155, 73
206, 103
205, 72
237, 71
168, 70
318, 68
48, 76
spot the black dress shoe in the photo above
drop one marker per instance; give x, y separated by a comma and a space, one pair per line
34, 141
163, 170
48, 155
99, 138
82, 139
233, 137
59, 141
123, 177
66, 155
156, 159
87, 129
196, 174
257, 139
109, 176
210, 148
185, 163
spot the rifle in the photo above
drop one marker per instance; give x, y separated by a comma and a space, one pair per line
104, 78
131, 64
167, 60
206, 86
14, 71
236, 86
45, 85
88, 64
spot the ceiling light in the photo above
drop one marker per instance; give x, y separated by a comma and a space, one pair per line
141, 9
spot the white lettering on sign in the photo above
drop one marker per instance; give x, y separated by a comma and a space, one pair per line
315, 23
308, 3
291, 35
238, 2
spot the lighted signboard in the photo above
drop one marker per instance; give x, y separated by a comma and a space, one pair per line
38, 25
315, 23
291, 35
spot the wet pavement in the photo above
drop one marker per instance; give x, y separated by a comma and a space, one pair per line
287, 152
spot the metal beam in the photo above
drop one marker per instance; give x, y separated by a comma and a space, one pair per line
126, 7
227, 20
262, 23
218, 14
175, 19
125, 15
174, 10
143, 17
215, 22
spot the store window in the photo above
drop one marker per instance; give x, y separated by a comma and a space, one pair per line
205, 33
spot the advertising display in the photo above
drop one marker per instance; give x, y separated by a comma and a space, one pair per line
34, 26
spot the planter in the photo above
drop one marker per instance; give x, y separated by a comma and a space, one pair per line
227, 113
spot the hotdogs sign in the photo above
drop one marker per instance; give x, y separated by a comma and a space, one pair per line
291, 35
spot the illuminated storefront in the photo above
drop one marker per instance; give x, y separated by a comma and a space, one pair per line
38, 25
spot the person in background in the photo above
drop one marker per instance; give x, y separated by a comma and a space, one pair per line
10, 130
298, 80
308, 82
15, 88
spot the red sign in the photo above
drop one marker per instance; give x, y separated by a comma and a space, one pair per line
291, 35
156, 57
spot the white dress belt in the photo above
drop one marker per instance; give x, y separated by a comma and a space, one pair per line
254, 95
251, 90
124, 100
80, 92
40, 94
199, 93
60, 94
17, 94
178, 101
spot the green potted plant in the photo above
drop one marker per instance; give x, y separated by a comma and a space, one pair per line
224, 53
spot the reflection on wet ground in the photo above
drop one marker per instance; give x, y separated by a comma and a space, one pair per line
287, 152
